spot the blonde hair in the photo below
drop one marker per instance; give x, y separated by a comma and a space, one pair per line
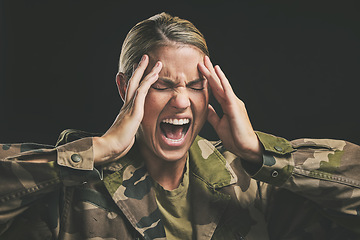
159, 30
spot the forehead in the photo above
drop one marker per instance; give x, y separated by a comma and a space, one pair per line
178, 60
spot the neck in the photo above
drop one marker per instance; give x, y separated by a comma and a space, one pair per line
168, 174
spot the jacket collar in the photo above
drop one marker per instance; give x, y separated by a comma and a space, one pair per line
209, 172
209, 165
131, 188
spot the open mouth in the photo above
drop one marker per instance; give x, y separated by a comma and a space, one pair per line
175, 129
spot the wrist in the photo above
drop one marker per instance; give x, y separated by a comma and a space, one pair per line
252, 152
106, 149
99, 148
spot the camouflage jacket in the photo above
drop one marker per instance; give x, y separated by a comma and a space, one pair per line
305, 189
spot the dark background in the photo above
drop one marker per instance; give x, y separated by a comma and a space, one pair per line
294, 63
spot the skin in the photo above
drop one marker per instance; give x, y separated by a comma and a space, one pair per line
179, 93
183, 74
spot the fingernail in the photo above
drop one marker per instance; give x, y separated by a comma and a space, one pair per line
157, 64
142, 58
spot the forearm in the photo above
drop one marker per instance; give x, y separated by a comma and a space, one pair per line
24, 173
28, 173
324, 171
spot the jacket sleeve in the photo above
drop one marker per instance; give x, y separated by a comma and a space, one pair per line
28, 171
322, 170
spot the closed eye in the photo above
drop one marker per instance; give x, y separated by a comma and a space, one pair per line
197, 85
197, 88
159, 88
159, 85
164, 84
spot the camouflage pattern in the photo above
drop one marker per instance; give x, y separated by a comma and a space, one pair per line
306, 189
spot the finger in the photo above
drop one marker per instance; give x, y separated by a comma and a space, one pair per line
213, 80
212, 117
208, 71
149, 78
211, 69
142, 88
208, 64
136, 77
224, 81
142, 91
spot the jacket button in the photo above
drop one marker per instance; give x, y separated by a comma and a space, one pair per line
274, 174
76, 158
279, 149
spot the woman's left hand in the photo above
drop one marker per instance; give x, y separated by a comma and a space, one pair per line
234, 127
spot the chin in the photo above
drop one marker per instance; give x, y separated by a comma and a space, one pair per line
173, 155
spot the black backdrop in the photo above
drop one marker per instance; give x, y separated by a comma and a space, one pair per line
294, 63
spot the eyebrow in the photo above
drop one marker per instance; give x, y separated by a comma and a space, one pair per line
172, 83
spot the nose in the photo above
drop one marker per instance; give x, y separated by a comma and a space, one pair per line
180, 99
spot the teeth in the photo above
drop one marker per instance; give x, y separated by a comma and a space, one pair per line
176, 121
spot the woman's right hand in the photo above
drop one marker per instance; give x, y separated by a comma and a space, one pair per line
120, 137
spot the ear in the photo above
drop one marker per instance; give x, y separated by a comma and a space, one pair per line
121, 82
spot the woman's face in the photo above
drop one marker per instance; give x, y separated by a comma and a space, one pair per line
176, 105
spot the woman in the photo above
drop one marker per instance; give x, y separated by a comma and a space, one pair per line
154, 178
